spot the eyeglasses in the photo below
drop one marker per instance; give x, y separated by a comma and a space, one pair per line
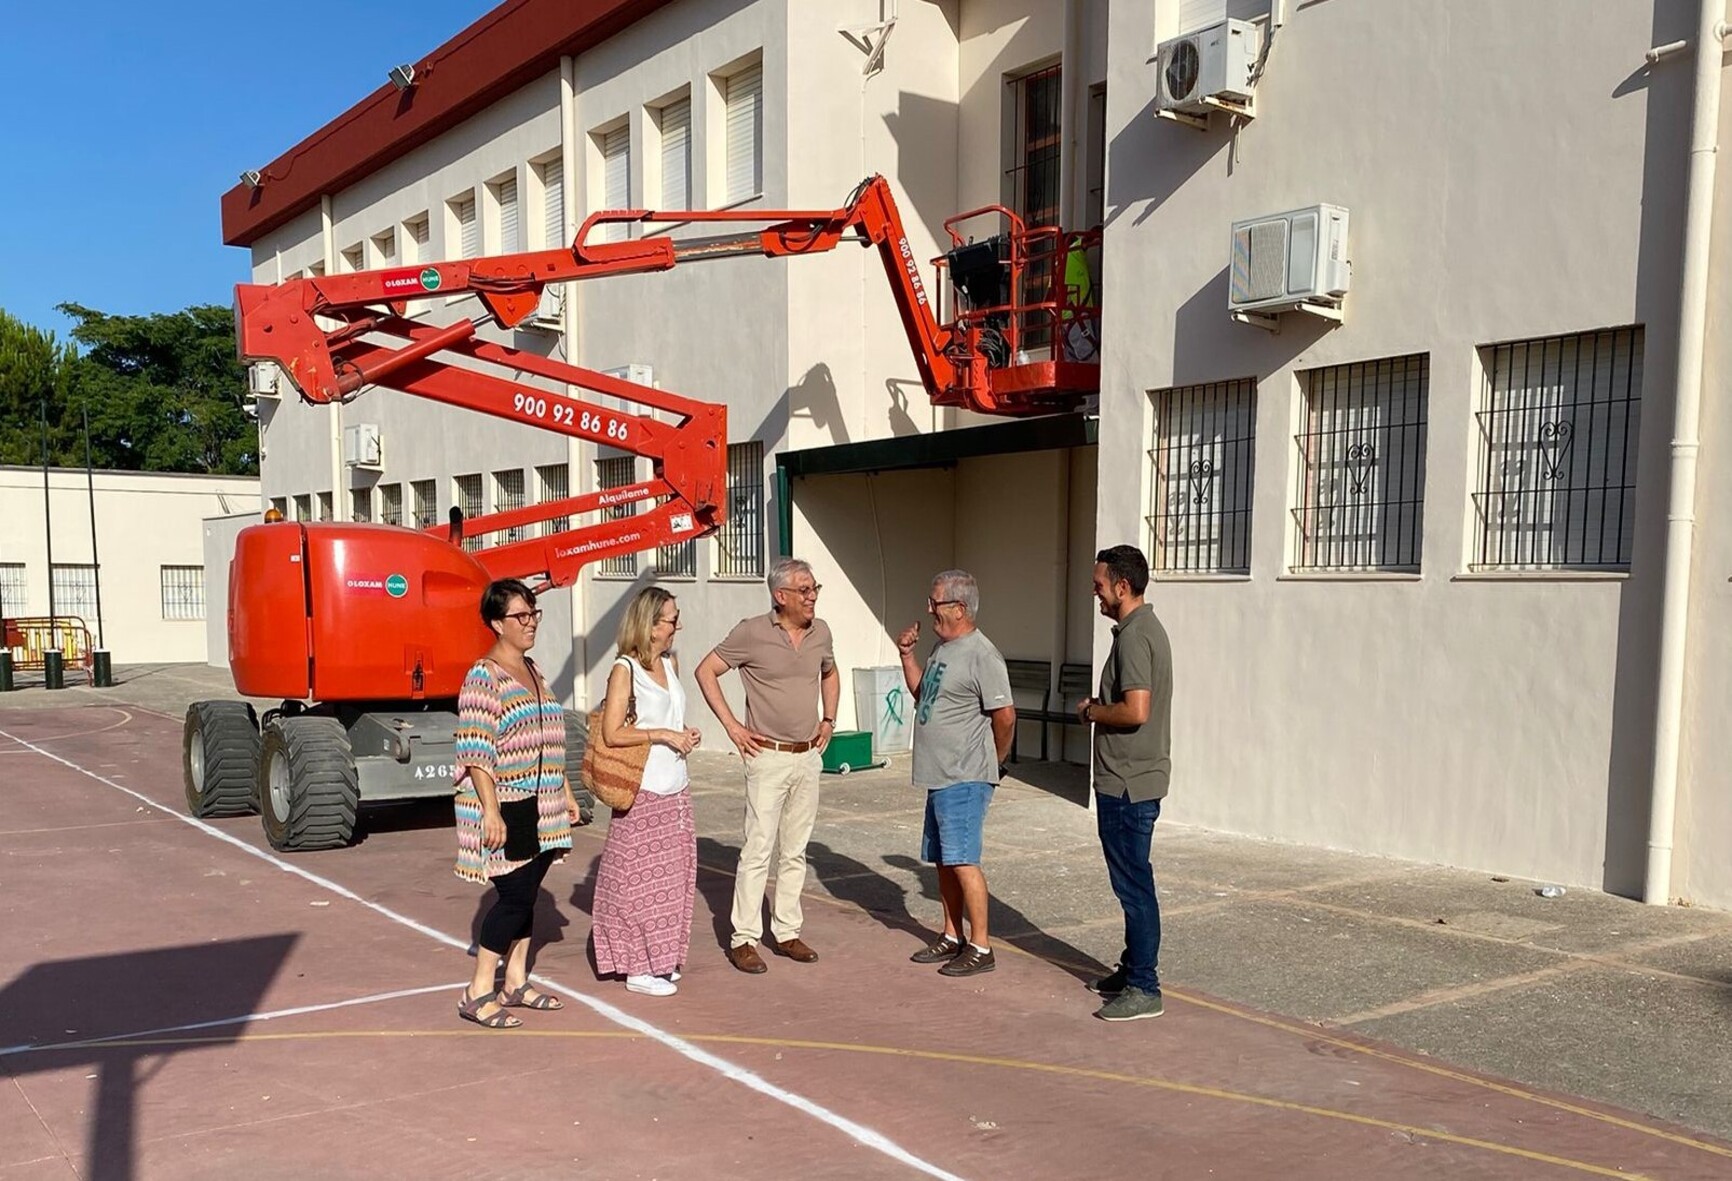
805, 592
525, 618
934, 604
674, 622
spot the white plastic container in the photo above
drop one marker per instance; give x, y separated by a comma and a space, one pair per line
883, 705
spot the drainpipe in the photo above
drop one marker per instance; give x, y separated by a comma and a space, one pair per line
1681, 514
569, 147
328, 236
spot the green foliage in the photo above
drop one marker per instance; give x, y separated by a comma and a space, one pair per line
164, 392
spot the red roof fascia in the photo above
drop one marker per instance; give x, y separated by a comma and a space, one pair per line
511, 46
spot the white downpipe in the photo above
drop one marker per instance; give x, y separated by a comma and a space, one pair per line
569, 147
339, 493
1681, 513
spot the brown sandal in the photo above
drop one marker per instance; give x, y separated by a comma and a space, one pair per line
469, 1008
512, 998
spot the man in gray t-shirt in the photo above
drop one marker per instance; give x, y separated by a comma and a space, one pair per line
963, 722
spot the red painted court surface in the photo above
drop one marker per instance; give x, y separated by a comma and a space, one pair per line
176, 1001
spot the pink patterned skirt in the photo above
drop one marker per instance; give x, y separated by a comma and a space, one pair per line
642, 919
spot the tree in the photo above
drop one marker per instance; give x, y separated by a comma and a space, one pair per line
34, 367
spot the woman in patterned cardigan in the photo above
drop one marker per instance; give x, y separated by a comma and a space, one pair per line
515, 807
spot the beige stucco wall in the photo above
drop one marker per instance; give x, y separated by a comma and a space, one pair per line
1489, 723
144, 521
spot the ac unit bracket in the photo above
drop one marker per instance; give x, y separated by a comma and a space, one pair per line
1241, 112
1269, 319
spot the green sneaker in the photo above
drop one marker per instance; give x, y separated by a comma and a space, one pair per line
1131, 1005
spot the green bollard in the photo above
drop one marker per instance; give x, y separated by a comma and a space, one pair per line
6, 685
53, 670
102, 670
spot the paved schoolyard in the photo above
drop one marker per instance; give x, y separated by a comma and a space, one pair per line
175, 1000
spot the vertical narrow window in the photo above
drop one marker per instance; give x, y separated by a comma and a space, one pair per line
1558, 424
361, 505
1360, 496
391, 504
280, 505
1097, 157
552, 174
553, 482
182, 592
355, 258
327, 507
74, 591
617, 472
740, 541
416, 234
508, 494
469, 503
468, 230
674, 121
426, 503
1033, 181
616, 176
1204, 456
14, 598
385, 249
743, 98
303, 507
504, 194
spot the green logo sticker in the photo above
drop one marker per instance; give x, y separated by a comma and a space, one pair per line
430, 279
396, 586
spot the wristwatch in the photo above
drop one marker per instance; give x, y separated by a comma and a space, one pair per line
830, 722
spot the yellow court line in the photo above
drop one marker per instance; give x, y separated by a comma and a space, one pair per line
926, 1055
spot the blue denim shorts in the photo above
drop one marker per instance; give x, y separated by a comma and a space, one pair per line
955, 817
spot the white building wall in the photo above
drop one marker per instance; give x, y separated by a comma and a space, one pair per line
1484, 722
144, 522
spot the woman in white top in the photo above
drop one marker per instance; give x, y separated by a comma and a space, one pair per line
648, 876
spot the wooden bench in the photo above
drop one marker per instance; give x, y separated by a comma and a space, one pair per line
1075, 682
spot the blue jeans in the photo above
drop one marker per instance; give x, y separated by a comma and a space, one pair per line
1127, 830
955, 821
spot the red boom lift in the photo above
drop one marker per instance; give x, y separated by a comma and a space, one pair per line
364, 632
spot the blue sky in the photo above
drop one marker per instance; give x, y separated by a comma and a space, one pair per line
127, 120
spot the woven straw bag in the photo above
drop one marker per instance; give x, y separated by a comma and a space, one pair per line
613, 774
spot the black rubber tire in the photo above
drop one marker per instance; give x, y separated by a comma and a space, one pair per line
219, 758
319, 796
576, 738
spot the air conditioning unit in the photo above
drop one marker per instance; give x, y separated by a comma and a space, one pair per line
1294, 261
361, 447
636, 374
1212, 69
264, 380
549, 315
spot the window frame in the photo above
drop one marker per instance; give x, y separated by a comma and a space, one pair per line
1227, 472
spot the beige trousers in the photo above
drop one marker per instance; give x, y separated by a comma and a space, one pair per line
781, 808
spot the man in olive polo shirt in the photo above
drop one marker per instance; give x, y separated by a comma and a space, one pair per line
787, 666
1132, 721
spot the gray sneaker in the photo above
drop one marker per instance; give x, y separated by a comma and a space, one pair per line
1130, 1005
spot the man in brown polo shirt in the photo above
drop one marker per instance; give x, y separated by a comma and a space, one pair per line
787, 666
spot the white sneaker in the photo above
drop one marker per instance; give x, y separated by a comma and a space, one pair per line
651, 985
674, 976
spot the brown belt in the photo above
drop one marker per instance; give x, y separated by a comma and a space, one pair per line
787, 748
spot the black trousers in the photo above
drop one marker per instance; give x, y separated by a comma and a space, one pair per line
513, 914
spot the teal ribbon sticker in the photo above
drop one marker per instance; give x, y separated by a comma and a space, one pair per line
893, 707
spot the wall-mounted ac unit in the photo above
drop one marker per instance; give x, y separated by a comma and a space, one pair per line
264, 380
1294, 261
1212, 69
636, 374
549, 314
362, 448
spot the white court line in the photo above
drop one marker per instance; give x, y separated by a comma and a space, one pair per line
243, 1019
739, 1074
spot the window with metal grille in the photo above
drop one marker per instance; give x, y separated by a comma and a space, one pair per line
303, 507
183, 592
426, 502
280, 504
75, 591
551, 173
360, 504
615, 178
743, 101
617, 473
468, 499
1360, 492
1033, 181
1558, 424
417, 231
674, 121
553, 482
391, 504
740, 541
504, 194
327, 507
1204, 457
468, 230
14, 589
508, 494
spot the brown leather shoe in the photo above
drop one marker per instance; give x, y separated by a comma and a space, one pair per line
745, 957
796, 950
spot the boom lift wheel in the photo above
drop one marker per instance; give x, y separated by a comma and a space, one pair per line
220, 758
308, 793
576, 738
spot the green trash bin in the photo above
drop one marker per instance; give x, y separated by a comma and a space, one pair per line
849, 750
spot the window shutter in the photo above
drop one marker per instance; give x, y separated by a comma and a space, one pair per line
553, 204
616, 175
468, 236
745, 108
510, 224
676, 123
